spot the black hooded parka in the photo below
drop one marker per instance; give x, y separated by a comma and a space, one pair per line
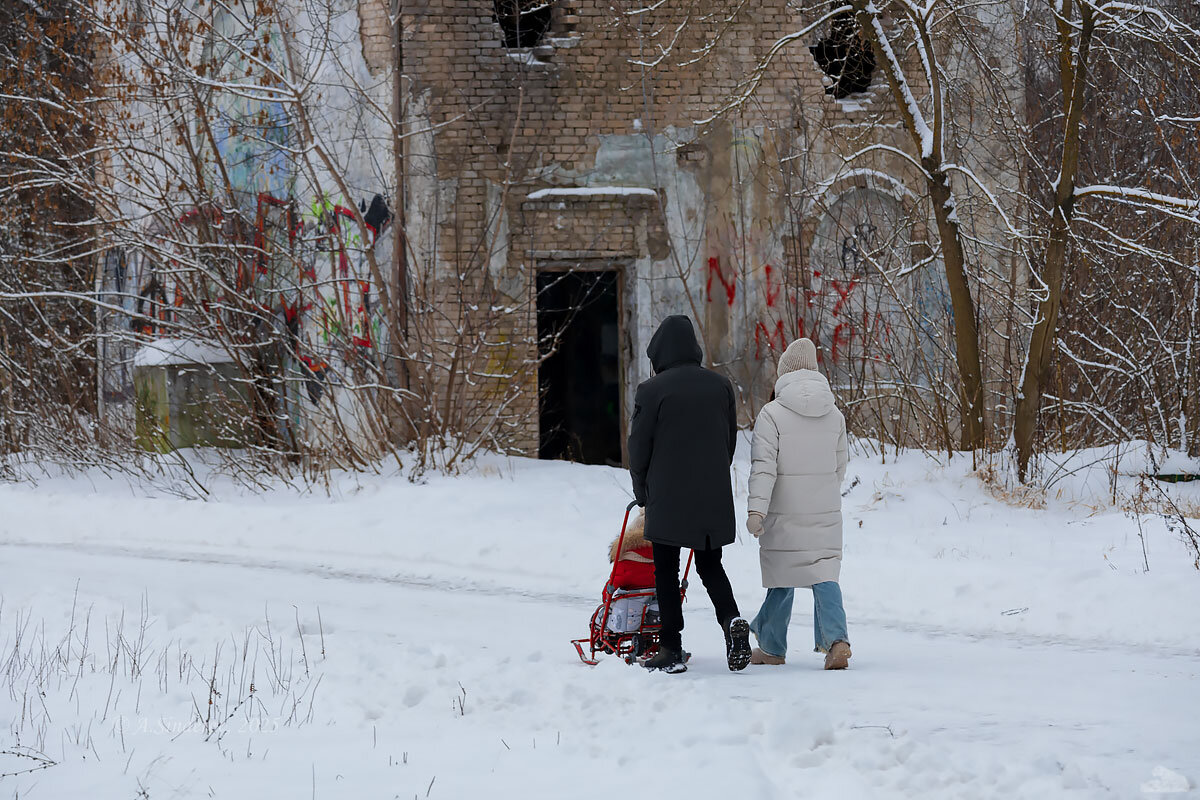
681, 443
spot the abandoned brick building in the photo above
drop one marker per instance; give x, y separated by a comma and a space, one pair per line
590, 142
573, 171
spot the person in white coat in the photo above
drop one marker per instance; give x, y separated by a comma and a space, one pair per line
798, 462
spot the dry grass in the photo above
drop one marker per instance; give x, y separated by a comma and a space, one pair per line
1001, 486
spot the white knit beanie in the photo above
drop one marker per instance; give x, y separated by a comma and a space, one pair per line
800, 354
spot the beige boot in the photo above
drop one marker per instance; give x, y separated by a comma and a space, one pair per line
757, 656
838, 656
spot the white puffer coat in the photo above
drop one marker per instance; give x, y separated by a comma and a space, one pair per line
798, 461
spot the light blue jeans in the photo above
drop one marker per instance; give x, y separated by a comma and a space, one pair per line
829, 619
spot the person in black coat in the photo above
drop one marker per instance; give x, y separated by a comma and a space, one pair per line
681, 442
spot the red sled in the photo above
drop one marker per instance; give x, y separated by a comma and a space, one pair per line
631, 643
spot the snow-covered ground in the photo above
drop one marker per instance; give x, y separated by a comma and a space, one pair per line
412, 641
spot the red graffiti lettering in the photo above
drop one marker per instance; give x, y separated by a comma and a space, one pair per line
772, 290
361, 328
730, 284
848, 332
776, 340
843, 292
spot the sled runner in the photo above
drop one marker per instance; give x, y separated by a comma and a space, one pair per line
626, 623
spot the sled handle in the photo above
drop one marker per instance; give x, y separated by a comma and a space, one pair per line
612, 575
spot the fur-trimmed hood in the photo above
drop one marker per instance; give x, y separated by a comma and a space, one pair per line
635, 539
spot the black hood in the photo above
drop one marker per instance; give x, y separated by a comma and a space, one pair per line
673, 344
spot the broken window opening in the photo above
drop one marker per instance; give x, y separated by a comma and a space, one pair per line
845, 57
523, 23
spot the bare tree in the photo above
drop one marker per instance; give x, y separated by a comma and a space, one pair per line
1081, 28
928, 131
234, 223
46, 140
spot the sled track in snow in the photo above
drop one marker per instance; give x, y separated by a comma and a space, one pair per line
413, 581
407, 580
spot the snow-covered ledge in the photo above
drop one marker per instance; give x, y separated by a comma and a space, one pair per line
597, 192
173, 352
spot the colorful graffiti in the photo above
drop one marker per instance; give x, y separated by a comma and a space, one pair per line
305, 279
254, 136
347, 308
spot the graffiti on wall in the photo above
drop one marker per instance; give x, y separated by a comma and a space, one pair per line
850, 307
861, 305
769, 341
855, 297
302, 279
773, 286
727, 282
253, 134
348, 312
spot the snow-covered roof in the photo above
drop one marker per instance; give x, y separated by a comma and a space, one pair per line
168, 352
592, 191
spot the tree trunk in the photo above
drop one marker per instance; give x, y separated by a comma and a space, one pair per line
398, 318
1041, 344
1188, 411
928, 140
966, 327
1072, 65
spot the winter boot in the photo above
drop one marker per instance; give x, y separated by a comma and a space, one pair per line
838, 656
668, 660
737, 643
757, 656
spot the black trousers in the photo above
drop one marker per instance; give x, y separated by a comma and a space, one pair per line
666, 584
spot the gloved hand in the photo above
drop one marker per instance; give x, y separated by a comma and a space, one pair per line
754, 524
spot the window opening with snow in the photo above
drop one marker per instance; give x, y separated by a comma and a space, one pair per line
845, 57
523, 23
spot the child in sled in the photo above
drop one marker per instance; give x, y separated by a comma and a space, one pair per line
632, 581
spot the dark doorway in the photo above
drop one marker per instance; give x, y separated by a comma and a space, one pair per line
579, 383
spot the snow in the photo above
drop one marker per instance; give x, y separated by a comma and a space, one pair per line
1138, 196
923, 131
592, 191
853, 105
412, 640
880, 181
1088, 473
171, 352
525, 57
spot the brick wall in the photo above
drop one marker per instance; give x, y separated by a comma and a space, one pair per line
577, 112
375, 28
